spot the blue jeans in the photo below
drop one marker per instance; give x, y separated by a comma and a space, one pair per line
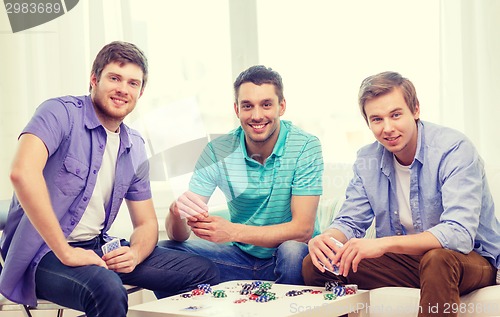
284, 267
99, 292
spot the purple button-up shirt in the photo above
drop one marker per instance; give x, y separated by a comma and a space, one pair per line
75, 141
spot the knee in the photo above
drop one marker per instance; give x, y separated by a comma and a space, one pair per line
307, 269
104, 289
437, 263
292, 250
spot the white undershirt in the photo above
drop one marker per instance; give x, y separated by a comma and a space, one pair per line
92, 221
403, 195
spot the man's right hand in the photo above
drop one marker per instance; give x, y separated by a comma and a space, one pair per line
81, 257
322, 249
190, 206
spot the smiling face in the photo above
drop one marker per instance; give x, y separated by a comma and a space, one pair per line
116, 92
259, 110
393, 124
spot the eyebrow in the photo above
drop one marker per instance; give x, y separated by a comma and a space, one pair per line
390, 112
118, 75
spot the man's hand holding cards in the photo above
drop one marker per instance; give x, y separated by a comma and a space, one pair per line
111, 245
335, 268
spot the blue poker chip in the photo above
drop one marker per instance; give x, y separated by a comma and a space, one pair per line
339, 291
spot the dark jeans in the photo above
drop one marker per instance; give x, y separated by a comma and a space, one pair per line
284, 267
99, 292
442, 276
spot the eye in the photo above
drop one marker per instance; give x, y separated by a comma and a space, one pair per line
396, 115
134, 84
245, 106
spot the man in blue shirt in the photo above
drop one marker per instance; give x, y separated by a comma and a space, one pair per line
75, 163
270, 172
424, 186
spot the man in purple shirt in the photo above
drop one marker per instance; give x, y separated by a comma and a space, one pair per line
75, 163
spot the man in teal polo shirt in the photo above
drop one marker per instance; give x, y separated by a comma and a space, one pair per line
270, 172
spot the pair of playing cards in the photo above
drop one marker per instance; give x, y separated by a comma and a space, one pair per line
335, 268
111, 245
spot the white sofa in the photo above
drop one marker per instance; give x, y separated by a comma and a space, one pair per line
401, 301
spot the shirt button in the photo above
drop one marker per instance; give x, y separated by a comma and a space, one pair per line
101, 146
72, 222
84, 198
94, 171
396, 212
78, 171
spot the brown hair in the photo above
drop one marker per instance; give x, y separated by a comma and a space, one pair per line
384, 83
122, 53
259, 75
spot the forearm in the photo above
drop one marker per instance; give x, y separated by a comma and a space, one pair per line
144, 239
273, 235
416, 244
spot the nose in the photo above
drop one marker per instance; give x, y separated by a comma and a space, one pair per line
388, 127
121, 87
257, 114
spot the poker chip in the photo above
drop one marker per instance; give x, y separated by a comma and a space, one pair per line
256, 284
245, 292
247, 286
339, 290
197, 292
185, 295
262, 299
265, 286
253, 296
307, 290
329, 296
351, 289
316, 292
293, 293
205, 287
240, 301
219, 293
330, 285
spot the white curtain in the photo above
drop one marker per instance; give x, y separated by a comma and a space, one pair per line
470, 68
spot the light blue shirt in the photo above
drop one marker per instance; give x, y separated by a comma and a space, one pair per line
75, 141
260, 194
449, 194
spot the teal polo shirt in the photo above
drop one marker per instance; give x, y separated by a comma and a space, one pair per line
260, 194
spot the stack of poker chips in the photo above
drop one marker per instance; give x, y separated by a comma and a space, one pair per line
258, 291
330, 285
205, 287
220, 293
293, 293
339, 291
329, 296
351, 289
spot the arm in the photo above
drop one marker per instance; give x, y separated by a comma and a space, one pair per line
300, 228
31, 190
142, 241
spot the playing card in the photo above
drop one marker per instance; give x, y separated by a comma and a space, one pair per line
111, 245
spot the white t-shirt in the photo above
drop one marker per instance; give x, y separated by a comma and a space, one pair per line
92, 221
403, 195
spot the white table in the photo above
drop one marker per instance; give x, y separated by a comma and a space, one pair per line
307, 304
